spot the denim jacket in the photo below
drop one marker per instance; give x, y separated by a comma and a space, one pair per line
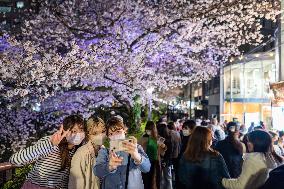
116, 179
206, 174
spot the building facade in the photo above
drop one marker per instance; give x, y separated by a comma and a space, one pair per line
246, 93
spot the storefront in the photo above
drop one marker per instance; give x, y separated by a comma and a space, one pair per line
246, 89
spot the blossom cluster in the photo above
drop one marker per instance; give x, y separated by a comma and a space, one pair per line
77, 54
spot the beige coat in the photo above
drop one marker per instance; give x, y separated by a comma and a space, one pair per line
81, 171
255, 171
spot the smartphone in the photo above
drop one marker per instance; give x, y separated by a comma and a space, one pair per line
117, 145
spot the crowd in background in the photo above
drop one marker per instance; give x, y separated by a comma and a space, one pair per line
179, 154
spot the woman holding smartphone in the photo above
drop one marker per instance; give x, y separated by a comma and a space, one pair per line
111, 167
153, 146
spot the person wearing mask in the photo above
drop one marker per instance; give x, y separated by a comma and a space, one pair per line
122, 169
187, 129
166, 159
81, 171
201, 167
232, 150
257, 163
52, 156
153, 148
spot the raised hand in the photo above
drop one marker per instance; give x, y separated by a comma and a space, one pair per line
114, 161
131, 148
57, 137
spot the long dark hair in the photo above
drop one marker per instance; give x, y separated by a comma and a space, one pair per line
163, 130
262, 142
231, 137
199, 145
68, 123
150, 125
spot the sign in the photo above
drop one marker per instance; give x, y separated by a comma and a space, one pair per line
278, 92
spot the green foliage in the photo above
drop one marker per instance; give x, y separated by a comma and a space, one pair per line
18, 178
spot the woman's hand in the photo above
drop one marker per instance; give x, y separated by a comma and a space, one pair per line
114, 161
57, 137
162, 145
131, 148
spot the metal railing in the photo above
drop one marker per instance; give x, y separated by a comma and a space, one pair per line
6, 172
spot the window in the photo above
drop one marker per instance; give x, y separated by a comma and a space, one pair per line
5, 9
20, 4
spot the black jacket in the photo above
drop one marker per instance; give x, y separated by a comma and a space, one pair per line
232, 157
275, 180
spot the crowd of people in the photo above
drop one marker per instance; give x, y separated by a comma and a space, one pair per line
183, 154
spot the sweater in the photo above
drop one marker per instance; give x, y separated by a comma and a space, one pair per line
81, 171
46, 171
254, 173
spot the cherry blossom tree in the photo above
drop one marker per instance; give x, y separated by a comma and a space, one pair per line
75, 54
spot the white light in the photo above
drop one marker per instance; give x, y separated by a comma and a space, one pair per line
20, 4
150, 90
36, 107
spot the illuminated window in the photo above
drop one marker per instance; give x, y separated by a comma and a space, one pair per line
20, 4
5, 9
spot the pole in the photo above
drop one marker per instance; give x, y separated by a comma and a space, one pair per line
222, 92
150, 107
190, 99
231, 93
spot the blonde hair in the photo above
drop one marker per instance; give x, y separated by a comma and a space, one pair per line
94, 122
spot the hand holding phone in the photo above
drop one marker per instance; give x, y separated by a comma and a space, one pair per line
132, 149
114, 161
119, 145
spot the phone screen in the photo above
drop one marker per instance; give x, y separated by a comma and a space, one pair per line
161, 140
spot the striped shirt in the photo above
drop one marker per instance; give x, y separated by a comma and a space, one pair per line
46, 170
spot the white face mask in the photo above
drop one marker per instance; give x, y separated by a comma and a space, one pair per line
117, 137
148, 132
75, 139
185, 132
98, 139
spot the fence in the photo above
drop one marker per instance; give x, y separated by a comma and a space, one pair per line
6, 172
